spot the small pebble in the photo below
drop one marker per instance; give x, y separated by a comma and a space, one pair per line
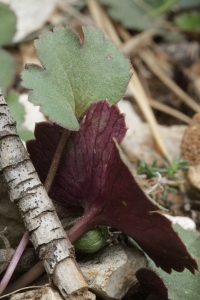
185, 222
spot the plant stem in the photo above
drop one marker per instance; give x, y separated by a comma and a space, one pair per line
26, 279
56, 159
83, 225
14, 261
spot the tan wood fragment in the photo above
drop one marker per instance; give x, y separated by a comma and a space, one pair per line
37, 210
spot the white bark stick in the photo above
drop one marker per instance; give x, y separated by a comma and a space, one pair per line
37, 210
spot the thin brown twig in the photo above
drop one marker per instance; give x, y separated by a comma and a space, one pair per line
154, 103
80, 17
169, 110
26, 279
149, 58
24, 289
164, 108
133, 44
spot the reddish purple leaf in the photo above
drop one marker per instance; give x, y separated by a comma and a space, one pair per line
91, 174
153, 282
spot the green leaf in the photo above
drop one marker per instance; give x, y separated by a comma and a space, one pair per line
17, 111
75, 74
134, 14
182, 286
189, 21
185, 4
8, 24
7, 66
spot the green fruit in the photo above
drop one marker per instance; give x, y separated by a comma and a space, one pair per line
92, 240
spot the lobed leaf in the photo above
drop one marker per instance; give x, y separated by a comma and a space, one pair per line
91, 174
7, 64
8, 24
133, 14
189, 21
185, 4
75, 74
176, 286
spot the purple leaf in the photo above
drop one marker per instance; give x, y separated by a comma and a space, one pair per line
91, 174
153, 282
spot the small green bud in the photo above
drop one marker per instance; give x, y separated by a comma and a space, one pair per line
92, 240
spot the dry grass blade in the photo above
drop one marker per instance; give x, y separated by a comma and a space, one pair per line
141, 98
80, 17
154, 103
102, 21
164, 108
149, 58
137, 42
164, 59
169, 110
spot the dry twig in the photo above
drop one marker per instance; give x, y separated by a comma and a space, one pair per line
37, 210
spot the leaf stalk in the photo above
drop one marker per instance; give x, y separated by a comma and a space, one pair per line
56, 159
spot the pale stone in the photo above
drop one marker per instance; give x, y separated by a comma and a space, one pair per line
32, 115
185, 222
110, 273
139, 143
45, 293
48, 293
31, 15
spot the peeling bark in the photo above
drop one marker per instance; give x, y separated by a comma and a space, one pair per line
37, 210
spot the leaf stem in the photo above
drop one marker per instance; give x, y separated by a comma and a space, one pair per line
14, 261
56, 159
27, 278
83, 225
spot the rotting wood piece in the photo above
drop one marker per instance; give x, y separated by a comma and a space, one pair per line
37, 210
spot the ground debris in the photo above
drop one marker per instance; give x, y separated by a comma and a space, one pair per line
110, 273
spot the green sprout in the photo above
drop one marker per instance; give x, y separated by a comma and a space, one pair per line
169, 169
174, 166
150, 171
168, 189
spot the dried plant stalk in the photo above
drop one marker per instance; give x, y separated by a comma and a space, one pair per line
149, 58
37, 210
